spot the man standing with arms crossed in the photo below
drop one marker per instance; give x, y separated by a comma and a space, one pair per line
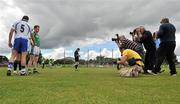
22, 30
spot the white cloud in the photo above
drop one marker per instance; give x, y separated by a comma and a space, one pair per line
54, 53
68, 23
8, 12
71, 23
178, 58
177, 50
103, 52
87, 41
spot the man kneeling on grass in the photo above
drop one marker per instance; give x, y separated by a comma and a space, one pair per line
132, 62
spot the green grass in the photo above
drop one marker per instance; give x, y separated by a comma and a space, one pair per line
88, 86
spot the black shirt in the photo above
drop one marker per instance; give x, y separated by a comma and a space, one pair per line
148, 41
76, 55
166, 32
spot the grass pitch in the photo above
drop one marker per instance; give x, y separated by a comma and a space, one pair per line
88, 86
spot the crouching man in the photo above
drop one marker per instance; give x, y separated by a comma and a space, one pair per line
132, 63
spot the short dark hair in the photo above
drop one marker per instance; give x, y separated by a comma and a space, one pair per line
25, 18
36, 26
78, 48
164, 20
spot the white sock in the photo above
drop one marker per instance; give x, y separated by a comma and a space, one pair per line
23, 69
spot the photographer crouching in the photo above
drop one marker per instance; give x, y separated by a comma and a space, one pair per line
132, 62
130, 59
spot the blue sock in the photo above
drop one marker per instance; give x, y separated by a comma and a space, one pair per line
10, 64
22, 67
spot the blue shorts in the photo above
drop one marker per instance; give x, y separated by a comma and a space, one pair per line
20, 45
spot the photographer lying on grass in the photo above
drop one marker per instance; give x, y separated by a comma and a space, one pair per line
132, 62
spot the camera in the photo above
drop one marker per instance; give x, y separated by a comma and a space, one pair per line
118, 66
115, 39
131, 33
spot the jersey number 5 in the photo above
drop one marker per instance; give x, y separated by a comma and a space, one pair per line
22, 28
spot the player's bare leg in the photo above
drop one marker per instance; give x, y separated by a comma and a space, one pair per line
36, 58
30, 63
23, 63
11, 61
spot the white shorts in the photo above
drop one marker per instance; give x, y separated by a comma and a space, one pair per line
76, 63
36, 50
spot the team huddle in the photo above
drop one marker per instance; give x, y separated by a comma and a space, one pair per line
26, 41
134, 59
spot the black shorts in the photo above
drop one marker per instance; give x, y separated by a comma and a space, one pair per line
76, 59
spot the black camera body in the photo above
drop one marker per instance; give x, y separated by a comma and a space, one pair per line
131, 33
115, 39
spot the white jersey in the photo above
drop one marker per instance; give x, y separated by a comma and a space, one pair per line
22, 29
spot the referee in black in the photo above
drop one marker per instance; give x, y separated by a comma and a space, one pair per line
166, 34
76, 56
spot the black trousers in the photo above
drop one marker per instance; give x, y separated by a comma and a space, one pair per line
150, 58
166, 50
